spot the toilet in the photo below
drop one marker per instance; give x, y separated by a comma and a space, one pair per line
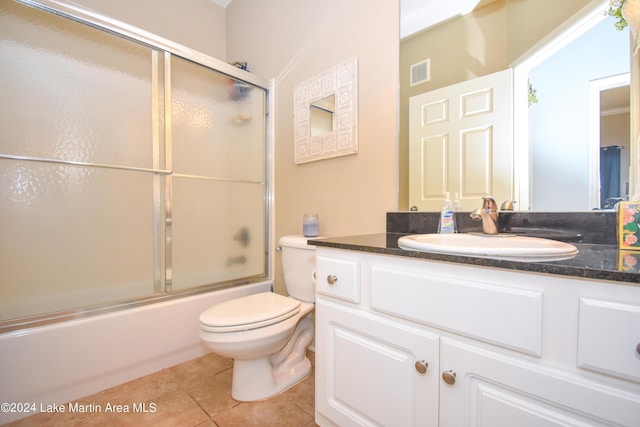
267, 334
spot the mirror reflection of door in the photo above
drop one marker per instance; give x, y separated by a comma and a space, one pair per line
611, 102
322, 115
460, 142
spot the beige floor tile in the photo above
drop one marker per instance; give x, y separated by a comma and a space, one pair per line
176, 408
139, 390
303, 394
196, 393
277, 411
213, 392
209, 364
50, 420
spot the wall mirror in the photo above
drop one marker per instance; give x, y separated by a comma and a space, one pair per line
326, 114
554, 163
322, 114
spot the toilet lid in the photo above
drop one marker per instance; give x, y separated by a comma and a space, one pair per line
253, 311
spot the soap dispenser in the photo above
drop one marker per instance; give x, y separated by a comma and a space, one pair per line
447, 224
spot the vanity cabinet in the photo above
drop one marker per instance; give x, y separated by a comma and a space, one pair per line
406, 342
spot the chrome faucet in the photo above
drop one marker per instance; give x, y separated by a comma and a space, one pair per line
488, 214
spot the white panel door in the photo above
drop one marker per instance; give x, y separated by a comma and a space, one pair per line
460, 140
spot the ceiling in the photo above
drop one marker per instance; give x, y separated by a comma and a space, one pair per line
223, 3
418, 15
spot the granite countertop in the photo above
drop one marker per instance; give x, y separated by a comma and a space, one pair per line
594, 261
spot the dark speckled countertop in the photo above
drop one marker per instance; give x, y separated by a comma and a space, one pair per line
595, 260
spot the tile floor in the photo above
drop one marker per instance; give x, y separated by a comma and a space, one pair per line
194, 393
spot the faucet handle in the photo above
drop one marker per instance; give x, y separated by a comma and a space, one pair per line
508, 205
476, 214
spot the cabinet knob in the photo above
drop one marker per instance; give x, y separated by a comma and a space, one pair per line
421, 366
331, 279
449, 377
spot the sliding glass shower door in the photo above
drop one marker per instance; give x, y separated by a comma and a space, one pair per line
126, 172
218, 182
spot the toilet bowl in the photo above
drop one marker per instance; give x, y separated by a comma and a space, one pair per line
267, 334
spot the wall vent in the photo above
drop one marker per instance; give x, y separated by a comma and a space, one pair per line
421, 72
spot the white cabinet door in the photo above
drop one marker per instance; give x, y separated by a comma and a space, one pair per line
367, 374
612, 326
494, 390
460, 140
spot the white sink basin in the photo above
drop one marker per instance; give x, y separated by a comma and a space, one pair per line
502, 246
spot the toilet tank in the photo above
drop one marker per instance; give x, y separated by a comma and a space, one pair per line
298, 267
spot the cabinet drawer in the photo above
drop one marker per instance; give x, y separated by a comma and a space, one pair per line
500, 315
339, 278
609, 338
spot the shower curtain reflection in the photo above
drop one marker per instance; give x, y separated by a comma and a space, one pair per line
609, 176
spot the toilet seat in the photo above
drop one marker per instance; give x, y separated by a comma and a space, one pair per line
250, 312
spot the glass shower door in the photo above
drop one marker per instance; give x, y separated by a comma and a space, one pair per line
76, 165
218, 184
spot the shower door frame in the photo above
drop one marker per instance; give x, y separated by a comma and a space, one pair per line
162, 243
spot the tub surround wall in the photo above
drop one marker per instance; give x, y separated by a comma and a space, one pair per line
65, 361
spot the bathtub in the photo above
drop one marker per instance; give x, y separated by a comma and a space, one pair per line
58, 363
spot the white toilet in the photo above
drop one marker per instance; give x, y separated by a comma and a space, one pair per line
267, 334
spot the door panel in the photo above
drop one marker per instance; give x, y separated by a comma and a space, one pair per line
476, 162
434, 180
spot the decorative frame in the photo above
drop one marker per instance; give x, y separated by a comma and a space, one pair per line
341, 80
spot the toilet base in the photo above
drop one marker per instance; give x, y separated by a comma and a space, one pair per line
255, 380
261, 378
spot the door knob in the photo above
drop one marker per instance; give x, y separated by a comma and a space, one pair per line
421, 366
449, 377
331, 279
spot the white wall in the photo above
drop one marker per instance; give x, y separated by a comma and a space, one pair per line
559, 121
291, 41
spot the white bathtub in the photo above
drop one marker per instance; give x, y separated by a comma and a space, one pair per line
63, 362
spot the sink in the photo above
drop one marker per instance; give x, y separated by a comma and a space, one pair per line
502, 246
